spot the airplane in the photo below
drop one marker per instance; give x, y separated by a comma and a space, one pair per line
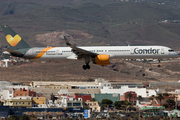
99, 55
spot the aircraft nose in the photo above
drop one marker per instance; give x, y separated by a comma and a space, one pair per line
178, 53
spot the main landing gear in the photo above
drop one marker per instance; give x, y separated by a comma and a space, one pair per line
87, 64
159, 63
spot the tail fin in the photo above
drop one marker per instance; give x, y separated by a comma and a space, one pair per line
14, 40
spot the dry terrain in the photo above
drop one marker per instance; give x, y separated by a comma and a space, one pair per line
118, 70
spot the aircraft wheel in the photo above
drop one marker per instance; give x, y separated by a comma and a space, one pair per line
159, 65
88, 67
84, 67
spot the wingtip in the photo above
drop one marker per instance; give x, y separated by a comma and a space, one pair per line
67, 43
65, 38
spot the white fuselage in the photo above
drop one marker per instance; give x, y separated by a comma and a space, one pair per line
122, 52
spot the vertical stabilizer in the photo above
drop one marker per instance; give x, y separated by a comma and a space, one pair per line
14, 40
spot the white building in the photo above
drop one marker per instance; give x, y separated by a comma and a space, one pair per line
139, 91
18, 87
48, 104
66, 99
4, 63
7, 94
23, 97
7, 91
151, 92
98, 84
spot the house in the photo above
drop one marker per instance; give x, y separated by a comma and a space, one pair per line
24, 92
93, 106
85, 97
74, 103
39, 100
46, 92
20, 101
133, 98
4, 63
71, 102
7, 94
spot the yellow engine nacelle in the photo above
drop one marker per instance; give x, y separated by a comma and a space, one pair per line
102, 60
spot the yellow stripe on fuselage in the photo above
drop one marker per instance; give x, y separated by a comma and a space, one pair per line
42, 52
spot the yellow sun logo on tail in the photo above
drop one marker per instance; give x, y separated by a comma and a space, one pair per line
13, 41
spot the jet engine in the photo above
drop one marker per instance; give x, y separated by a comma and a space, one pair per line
102, 60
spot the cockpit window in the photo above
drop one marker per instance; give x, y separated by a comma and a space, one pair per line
171, 50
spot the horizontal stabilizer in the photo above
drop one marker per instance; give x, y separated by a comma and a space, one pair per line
13, 52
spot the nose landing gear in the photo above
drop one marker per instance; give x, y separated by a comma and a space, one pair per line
159, 63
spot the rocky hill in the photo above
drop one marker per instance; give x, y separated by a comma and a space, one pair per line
57, 38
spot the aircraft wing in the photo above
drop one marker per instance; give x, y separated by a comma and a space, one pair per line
81, 53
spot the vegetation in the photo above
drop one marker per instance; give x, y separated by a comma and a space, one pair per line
25, 117
13, 117
139, 98
106, 102
90, 80
93, 99
129, 96
1, 103
160, 97
170, 103
165, 94
165, 105
122, 104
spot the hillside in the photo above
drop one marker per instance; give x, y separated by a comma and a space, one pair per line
164, 34
109, 24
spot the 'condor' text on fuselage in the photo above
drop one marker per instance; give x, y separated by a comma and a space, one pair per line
146, 51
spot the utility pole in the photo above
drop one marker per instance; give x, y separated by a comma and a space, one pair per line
176, 100
139, 113
176, 95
